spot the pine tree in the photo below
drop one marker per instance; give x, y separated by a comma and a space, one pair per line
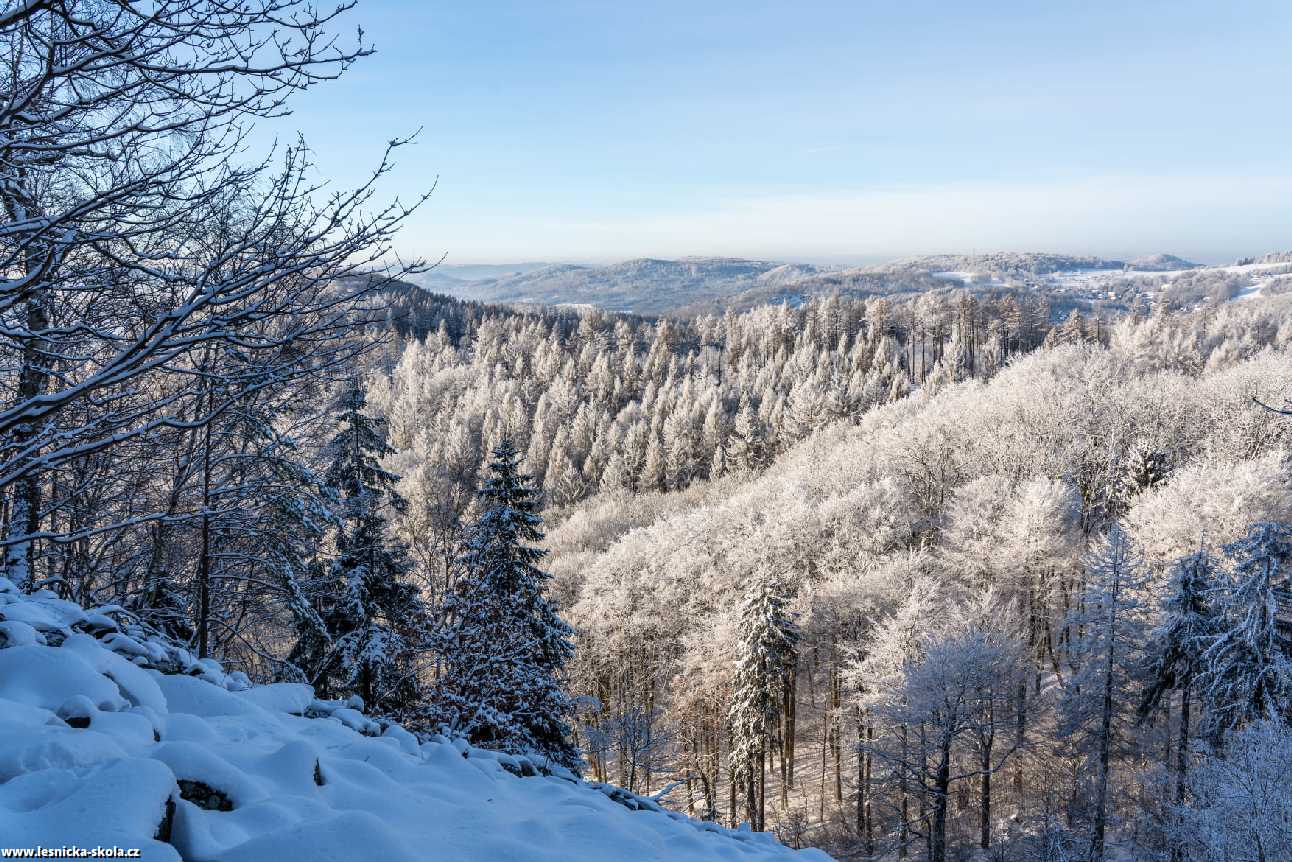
373, 616
501, 644
768, 641
1248, 676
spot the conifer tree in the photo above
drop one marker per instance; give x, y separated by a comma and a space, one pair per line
373, 617
1145, 468
1248, 675
768, 640
502, 646
653, 473
746, 448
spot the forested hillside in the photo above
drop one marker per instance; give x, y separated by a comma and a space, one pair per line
603, 403
736, 478
975, 588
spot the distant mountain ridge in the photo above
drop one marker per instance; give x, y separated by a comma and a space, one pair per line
642, 285
1033, 263
698, 285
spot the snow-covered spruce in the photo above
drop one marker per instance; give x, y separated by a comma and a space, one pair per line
112, 735
361, 621
768, 640
502, 644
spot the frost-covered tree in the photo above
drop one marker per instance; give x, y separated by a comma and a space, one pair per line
1248, 675
947, 681
1240, 807
766, 650
747, 446
1145, 468
501, 645
1107, 659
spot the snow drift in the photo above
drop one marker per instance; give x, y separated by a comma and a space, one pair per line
111, 736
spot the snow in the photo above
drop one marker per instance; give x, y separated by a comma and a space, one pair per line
105, 726
967, 277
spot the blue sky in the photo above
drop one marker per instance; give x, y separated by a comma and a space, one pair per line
821, 131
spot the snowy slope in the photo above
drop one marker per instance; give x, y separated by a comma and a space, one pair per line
111, 737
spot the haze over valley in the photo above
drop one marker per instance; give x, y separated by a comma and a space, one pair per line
693, 286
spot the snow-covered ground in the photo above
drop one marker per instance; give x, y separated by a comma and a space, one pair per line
110, 737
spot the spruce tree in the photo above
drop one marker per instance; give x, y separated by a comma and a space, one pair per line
1248, 675
374, 621
501, 644
768, 641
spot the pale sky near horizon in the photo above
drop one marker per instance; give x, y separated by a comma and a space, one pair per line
821, 131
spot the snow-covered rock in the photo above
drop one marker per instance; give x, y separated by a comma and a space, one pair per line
110, 736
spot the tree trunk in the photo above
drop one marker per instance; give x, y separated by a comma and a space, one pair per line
870, 819
731, 786
1020, 731
825, 744
861, 774
987, 742
1169, 757
836, 736
762, 788
24, 511
791, 698
984, 793
204, 558
1182, 753
1182, 750
1105, 732
33, 374
924, 792
903, 835
941, 786
785, 786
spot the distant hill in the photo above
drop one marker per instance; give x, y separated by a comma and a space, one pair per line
1161, 263
1005, 262
711, 285
641, 286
